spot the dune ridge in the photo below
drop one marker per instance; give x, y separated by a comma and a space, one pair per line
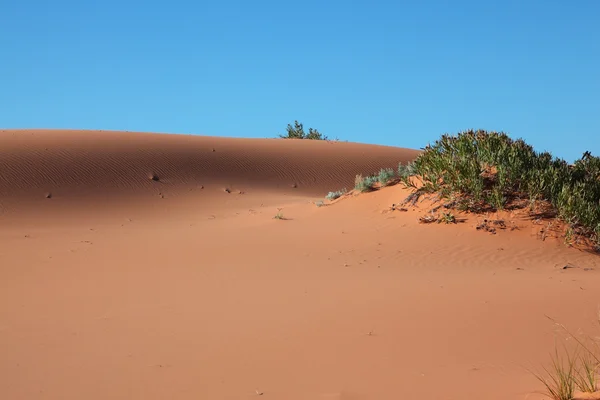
87, 163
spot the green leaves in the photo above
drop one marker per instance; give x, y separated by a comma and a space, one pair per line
297, 132
335, 195
491, 169
385, 176
364, 184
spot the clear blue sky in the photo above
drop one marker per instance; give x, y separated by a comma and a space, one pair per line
388, 72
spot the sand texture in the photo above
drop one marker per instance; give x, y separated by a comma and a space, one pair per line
150, 266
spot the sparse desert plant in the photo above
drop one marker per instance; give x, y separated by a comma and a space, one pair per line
385, 176
405, 173
578, 370
559, 378
569, 236
489, 170
279, 214
335, 195
364, 184
447, 218
586, 376
297, 132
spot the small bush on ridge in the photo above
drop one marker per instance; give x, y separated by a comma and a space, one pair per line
297, 132
335, 195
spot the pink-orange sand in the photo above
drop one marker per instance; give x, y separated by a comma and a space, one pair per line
117, 286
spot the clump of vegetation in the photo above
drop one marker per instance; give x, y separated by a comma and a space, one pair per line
335, 195
405, 169
364, 184
578, 369
297, 132
559, 378
279, 214
447, 218
484, 171
405, 172
586, 377
385, 176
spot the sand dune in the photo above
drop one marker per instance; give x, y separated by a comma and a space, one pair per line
202, 294
106, 165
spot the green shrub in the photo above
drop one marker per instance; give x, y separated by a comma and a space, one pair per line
447, 218
335, 195
385, 176
405, 173
297, 132
559, 380
364, 184
405, 170
577, 368
490, 170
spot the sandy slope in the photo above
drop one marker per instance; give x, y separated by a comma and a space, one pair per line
108, 290
89, 169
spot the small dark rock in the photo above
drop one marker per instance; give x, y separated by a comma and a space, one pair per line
48, 195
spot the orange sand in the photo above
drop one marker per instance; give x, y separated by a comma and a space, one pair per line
121, 287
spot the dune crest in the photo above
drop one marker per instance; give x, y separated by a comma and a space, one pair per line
112, 164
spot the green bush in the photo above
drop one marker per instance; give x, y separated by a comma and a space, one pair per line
405, 173
483, 170
364, 184
385, 176
335, 195
297, 132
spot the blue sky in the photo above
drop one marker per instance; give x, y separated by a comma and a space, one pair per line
387, 72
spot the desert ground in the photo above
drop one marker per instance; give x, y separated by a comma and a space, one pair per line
150, 266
